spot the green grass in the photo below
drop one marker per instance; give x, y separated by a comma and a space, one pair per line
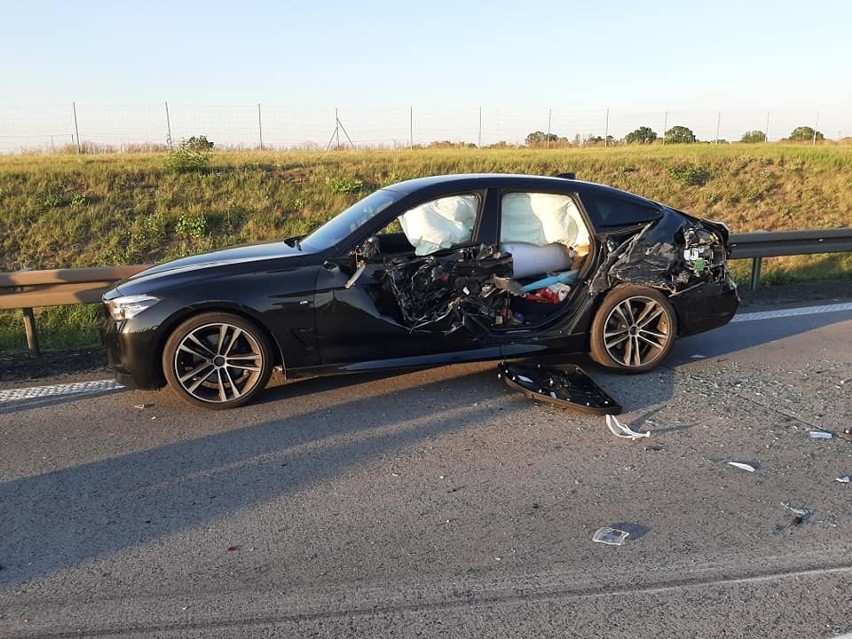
69, 211
58, 327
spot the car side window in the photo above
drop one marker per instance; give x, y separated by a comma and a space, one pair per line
442, 223
612, 211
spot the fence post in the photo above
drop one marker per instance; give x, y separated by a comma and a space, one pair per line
168, 127
259, 126
549, 122
76, 129
32, 332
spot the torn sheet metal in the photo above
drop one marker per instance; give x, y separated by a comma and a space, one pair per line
669, 254
569, 388
465, 288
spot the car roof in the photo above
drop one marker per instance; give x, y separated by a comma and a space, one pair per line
514, 181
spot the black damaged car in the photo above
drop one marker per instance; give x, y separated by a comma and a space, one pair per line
431, 271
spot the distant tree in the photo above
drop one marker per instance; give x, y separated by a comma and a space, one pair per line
537, 138
680, 135
753, 137
805, 134
197, 143
642, 135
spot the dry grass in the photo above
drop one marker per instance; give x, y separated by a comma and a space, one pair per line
68, 211
90, 210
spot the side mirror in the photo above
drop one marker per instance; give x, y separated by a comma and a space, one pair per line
370, 249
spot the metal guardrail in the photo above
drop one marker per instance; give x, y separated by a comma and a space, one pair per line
755, 246
33, 289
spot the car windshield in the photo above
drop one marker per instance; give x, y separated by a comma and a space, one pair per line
350, 220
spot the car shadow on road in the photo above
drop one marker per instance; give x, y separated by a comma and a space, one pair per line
62, 519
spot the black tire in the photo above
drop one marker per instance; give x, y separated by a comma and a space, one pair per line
217, 360
634, 329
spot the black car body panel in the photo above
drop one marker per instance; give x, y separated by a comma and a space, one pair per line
346, 299
570, 387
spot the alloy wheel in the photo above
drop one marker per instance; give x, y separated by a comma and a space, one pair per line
219, 363
637, 331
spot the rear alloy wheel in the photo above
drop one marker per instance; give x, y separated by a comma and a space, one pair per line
634, 329
217, 360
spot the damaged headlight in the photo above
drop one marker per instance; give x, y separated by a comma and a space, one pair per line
128, 306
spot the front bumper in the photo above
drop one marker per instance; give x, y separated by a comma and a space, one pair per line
134, 346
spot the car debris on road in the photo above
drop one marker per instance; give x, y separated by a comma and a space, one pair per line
610, 536
742, 466
568, 388
625, 432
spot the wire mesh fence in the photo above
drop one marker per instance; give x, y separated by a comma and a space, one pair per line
91, 127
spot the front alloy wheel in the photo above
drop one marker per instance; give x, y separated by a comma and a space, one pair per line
634, 330
217, 360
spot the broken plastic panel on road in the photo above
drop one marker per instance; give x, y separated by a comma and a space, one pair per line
569, 388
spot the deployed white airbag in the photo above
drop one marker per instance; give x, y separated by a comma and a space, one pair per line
440, 224
540, 219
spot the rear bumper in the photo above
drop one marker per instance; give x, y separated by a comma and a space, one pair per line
705, 307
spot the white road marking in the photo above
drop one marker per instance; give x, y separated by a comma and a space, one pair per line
792, 312
58, 390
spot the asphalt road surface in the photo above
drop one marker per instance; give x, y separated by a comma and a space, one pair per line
442, 504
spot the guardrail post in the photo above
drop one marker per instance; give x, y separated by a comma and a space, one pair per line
755, 273
32, 332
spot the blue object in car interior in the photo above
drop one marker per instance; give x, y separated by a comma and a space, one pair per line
561, 278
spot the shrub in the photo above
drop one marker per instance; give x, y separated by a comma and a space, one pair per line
344, 185
191, 226
52, 200
188, 158
689, 175
198, 143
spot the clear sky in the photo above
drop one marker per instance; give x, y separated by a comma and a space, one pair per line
732, 56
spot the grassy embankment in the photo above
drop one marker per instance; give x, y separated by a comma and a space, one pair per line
74, 211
